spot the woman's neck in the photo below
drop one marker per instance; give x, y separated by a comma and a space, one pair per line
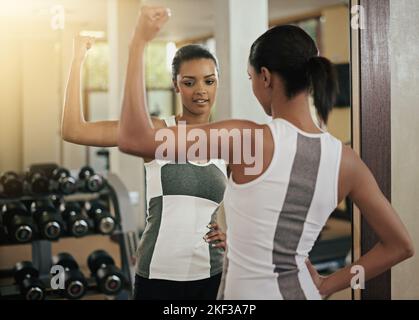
295, 110
191, 118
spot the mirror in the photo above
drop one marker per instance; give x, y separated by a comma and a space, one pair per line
34, 69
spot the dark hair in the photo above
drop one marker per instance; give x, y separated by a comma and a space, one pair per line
190, 52
291, 53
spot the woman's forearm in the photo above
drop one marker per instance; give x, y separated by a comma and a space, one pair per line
379, 259
72, 117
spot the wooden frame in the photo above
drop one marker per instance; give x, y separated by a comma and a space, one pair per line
355, 139
371, 119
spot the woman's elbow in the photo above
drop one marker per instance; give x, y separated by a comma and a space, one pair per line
140, 146
131, 149
405, 250
66, 136
409, 250
126, 145
74, 136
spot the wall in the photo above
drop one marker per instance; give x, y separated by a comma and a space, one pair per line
33, 71
339, 124
41, 100
29, 97
404, 49
335, 34
237, 24
335, 46
10, 99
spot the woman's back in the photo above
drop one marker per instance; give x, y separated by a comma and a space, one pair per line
273, 221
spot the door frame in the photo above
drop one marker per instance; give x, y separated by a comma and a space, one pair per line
371, 122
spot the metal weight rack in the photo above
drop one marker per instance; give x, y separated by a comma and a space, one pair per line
124, 234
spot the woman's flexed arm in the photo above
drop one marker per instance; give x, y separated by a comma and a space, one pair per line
74, 127
137, 135
135, 120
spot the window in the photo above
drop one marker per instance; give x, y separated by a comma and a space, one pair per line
96, 67
160, 94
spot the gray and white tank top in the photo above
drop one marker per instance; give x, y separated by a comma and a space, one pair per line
181, 202
274, 220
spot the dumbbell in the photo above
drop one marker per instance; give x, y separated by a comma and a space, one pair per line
109, 278
75, 283
90, 181
11, 185
3, 235
18, 221
2, 231
77, 225
65, 183
26, 276
37, 182
103, 220
56, 200
50, 222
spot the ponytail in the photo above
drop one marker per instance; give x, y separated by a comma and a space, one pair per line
323, 83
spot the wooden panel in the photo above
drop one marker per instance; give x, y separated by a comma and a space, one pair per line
355, 139
375, 115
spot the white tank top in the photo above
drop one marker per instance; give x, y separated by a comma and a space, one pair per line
181, 202
273, 221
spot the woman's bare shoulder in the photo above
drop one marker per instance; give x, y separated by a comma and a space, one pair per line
158, 123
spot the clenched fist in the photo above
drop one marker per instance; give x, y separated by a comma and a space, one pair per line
81, 45
150, 21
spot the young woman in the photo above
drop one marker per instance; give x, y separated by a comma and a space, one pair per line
173, 259
274, 216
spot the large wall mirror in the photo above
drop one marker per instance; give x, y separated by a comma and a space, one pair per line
34, 70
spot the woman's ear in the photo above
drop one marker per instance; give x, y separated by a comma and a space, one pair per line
175, 86
266, 77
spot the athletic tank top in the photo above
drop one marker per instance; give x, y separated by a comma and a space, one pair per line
181, 202
274, 220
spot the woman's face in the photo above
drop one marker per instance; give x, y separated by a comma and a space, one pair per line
197, 84
259, 88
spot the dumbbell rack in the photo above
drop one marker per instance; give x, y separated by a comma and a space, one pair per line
124, 234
